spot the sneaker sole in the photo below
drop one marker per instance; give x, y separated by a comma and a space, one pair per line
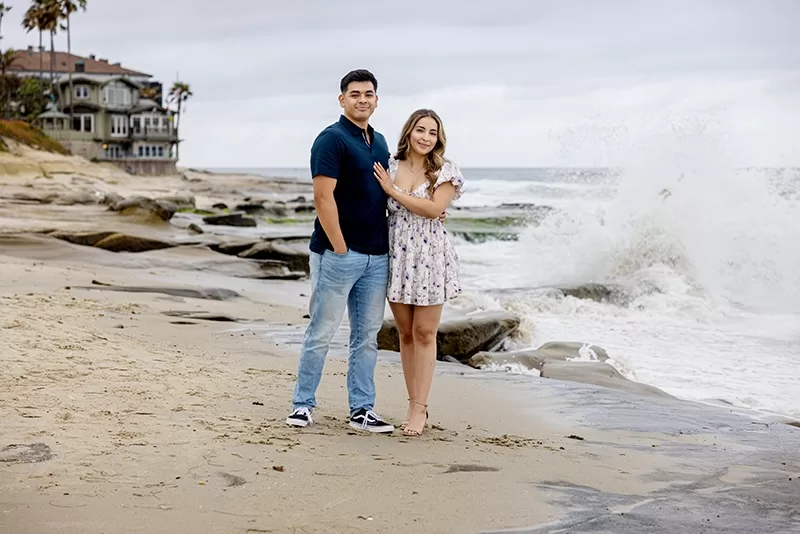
385, 430
297, 423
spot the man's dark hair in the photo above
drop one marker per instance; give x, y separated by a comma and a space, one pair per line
360, 75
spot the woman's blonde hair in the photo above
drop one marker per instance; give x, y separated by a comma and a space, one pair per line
435, 158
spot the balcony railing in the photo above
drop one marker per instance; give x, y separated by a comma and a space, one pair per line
150, 132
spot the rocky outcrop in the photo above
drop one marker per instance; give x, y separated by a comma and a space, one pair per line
117, 242
534, 359
597, 374
570, 361
86, 239
295, 258
607, 293
208, 293
461, 337
178, 201
233, 219
70, 198
144, 207
112, 241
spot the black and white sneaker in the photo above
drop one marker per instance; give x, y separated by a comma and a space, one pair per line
301, 417
370, 421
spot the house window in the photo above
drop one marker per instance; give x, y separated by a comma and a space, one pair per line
115, 152
119, 125
151, 151
116, 95
83, 123
81, 92
136, 123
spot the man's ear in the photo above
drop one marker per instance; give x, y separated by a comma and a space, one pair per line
341, 100
376, 100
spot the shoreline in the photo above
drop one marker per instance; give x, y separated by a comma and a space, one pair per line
132, 411
206, 190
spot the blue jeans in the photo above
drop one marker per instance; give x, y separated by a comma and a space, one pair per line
357, 281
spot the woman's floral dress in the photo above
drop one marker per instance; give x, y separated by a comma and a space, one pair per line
423, 265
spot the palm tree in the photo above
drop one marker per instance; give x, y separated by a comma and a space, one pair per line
52, 23
149, 92
178, 96
36, 19
6, 60
68, 7
3, 10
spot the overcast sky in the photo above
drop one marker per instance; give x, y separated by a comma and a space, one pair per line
517, 82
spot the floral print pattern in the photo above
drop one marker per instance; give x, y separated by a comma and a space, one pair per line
423, 264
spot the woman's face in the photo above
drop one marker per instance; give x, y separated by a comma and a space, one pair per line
424, 136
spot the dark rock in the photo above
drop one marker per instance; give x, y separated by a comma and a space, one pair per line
595, 292
305, 208
234, 219
276, 210
128, 243
461, 337
251, 208
109, 199
607, 293
112, 241
87, 239
232, 249
597, 374
220, 206
143, 206
536, 358
276, 270
296, 258
179, 201
195, 229
202, 316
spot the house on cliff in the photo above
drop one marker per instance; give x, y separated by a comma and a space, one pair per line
117, 113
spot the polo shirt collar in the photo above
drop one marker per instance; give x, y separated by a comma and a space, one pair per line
354, 128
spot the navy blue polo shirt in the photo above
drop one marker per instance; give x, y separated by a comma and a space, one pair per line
341, 151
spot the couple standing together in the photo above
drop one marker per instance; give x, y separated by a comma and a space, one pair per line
360, 257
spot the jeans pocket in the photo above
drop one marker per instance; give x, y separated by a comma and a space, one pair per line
335, 255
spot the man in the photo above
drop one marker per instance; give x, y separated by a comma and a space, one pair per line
349, 254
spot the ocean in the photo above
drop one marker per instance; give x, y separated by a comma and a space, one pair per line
709, 259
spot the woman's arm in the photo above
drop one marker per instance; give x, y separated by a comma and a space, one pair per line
431, 208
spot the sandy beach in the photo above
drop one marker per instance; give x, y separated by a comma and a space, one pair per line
128, 412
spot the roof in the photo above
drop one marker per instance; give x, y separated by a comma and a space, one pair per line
100, 79
146, 103
52, 114
28, 61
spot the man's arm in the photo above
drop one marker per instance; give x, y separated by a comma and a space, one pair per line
433, 208
327, 212
325, 162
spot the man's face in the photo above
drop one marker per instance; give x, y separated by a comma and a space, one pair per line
359, 101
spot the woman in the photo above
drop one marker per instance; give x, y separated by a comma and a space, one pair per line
423, 266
